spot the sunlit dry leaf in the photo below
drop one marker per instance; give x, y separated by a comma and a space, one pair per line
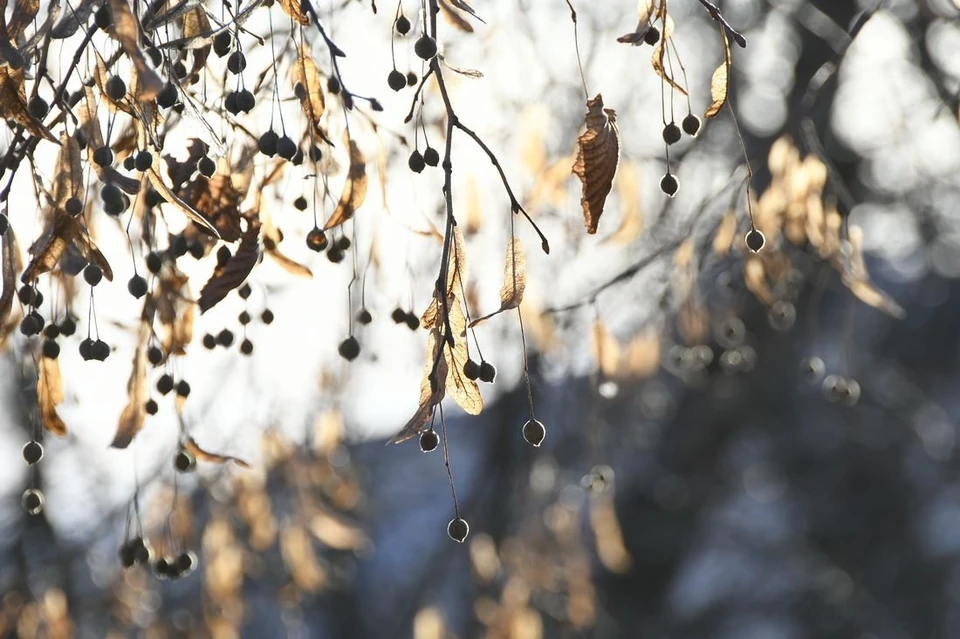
454, 18
46, 251
611, 550
644, 13
598, 155
191, 446
90, 125
8, 273
24, 11
464, 391
172, 198
195, 23
174, 310
13, 103
514, 280
294, 9
50, 394
870, 295
727, 229
308, 76
68, 179
720, 84
126, 30
135, 412
456, 274
432, 389
354, 191
234, 272
8, 53
334, 532
463, 6
660, 49
300, 558
218, 201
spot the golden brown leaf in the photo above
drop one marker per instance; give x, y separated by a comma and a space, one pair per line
432, 389
50, 394
24, 11
196, 23
234, 272
354, 191
598, 155
464, 391
13, 103
289, 265
100, 76
293, 8
90, 125
514, 280
8, 53
192, 447
218, 201
727, 229
47, 250
308, 76
135, 412
8, 274
720, 84
611, 550
172, 198
174, 310
334, 532
126, 30
455, 18
644, 13
68, 180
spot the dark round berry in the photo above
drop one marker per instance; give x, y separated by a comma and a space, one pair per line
68, 327
236, 63
155, 56
429, 440
413, 322
32, 501
38, 108
298, 157
231, 103
180, 70
32, 452
184, 462
128, 556
225, 338
343, 243
316, 154
154, 262
81, 139
396, 80
26, 294
137, 286
186, 562
431, 156
458, 529
103, 156
183, 388
487, 372
73, 206
38, 299
364, 316
165, 384
669, 184
349, 348
222, 43
399, 316
4, 223
267, 316
652, 36
268, 143
114, 207
129, 163
100, 350
425, 47
335, 255
151, 407
52, 331
154, 356
209, 341
534, 432
103, 18
403, 25
153, 198
754, 240
92, 274
244, 318
471, 370
333, 85
144, 160
116, 88
51, 350
246, 101
317, 240
141, 551
286, 148
167, 96
691, 124
412, 78
86, 349
37, 320
111, 192
300, 203
179, 246
162, 568
300, 91
416, 162
672, 133
246, 346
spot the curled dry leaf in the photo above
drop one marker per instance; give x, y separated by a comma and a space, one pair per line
13, 103
218, 201
174, 310
126, 30
463, 6
645, 12
514, 280
294, 9
432, 388
8, 274
135, 412
24, 11
598, 155
306, 73
192, 447
8, 53
235, 271
50, 395
90, 125
454, 18
660, 49
464, 391
606, 349
354, 191
153, 174
196, 24
720, 84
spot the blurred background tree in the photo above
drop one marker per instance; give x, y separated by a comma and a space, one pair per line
738, 443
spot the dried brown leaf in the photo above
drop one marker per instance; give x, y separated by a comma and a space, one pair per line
354, 191
192, 447
432, 389
454, 18
13, 103
308, 75
720, 84
8, 274
126, 30
90, 125
294, 9
50, 395
8, 53
234, 272
644, 15
135, 412
24, 11
598, 155
289, 265
464, 391
195, 24
153, 175
175, 311
514, 280
218, 201
727, 229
